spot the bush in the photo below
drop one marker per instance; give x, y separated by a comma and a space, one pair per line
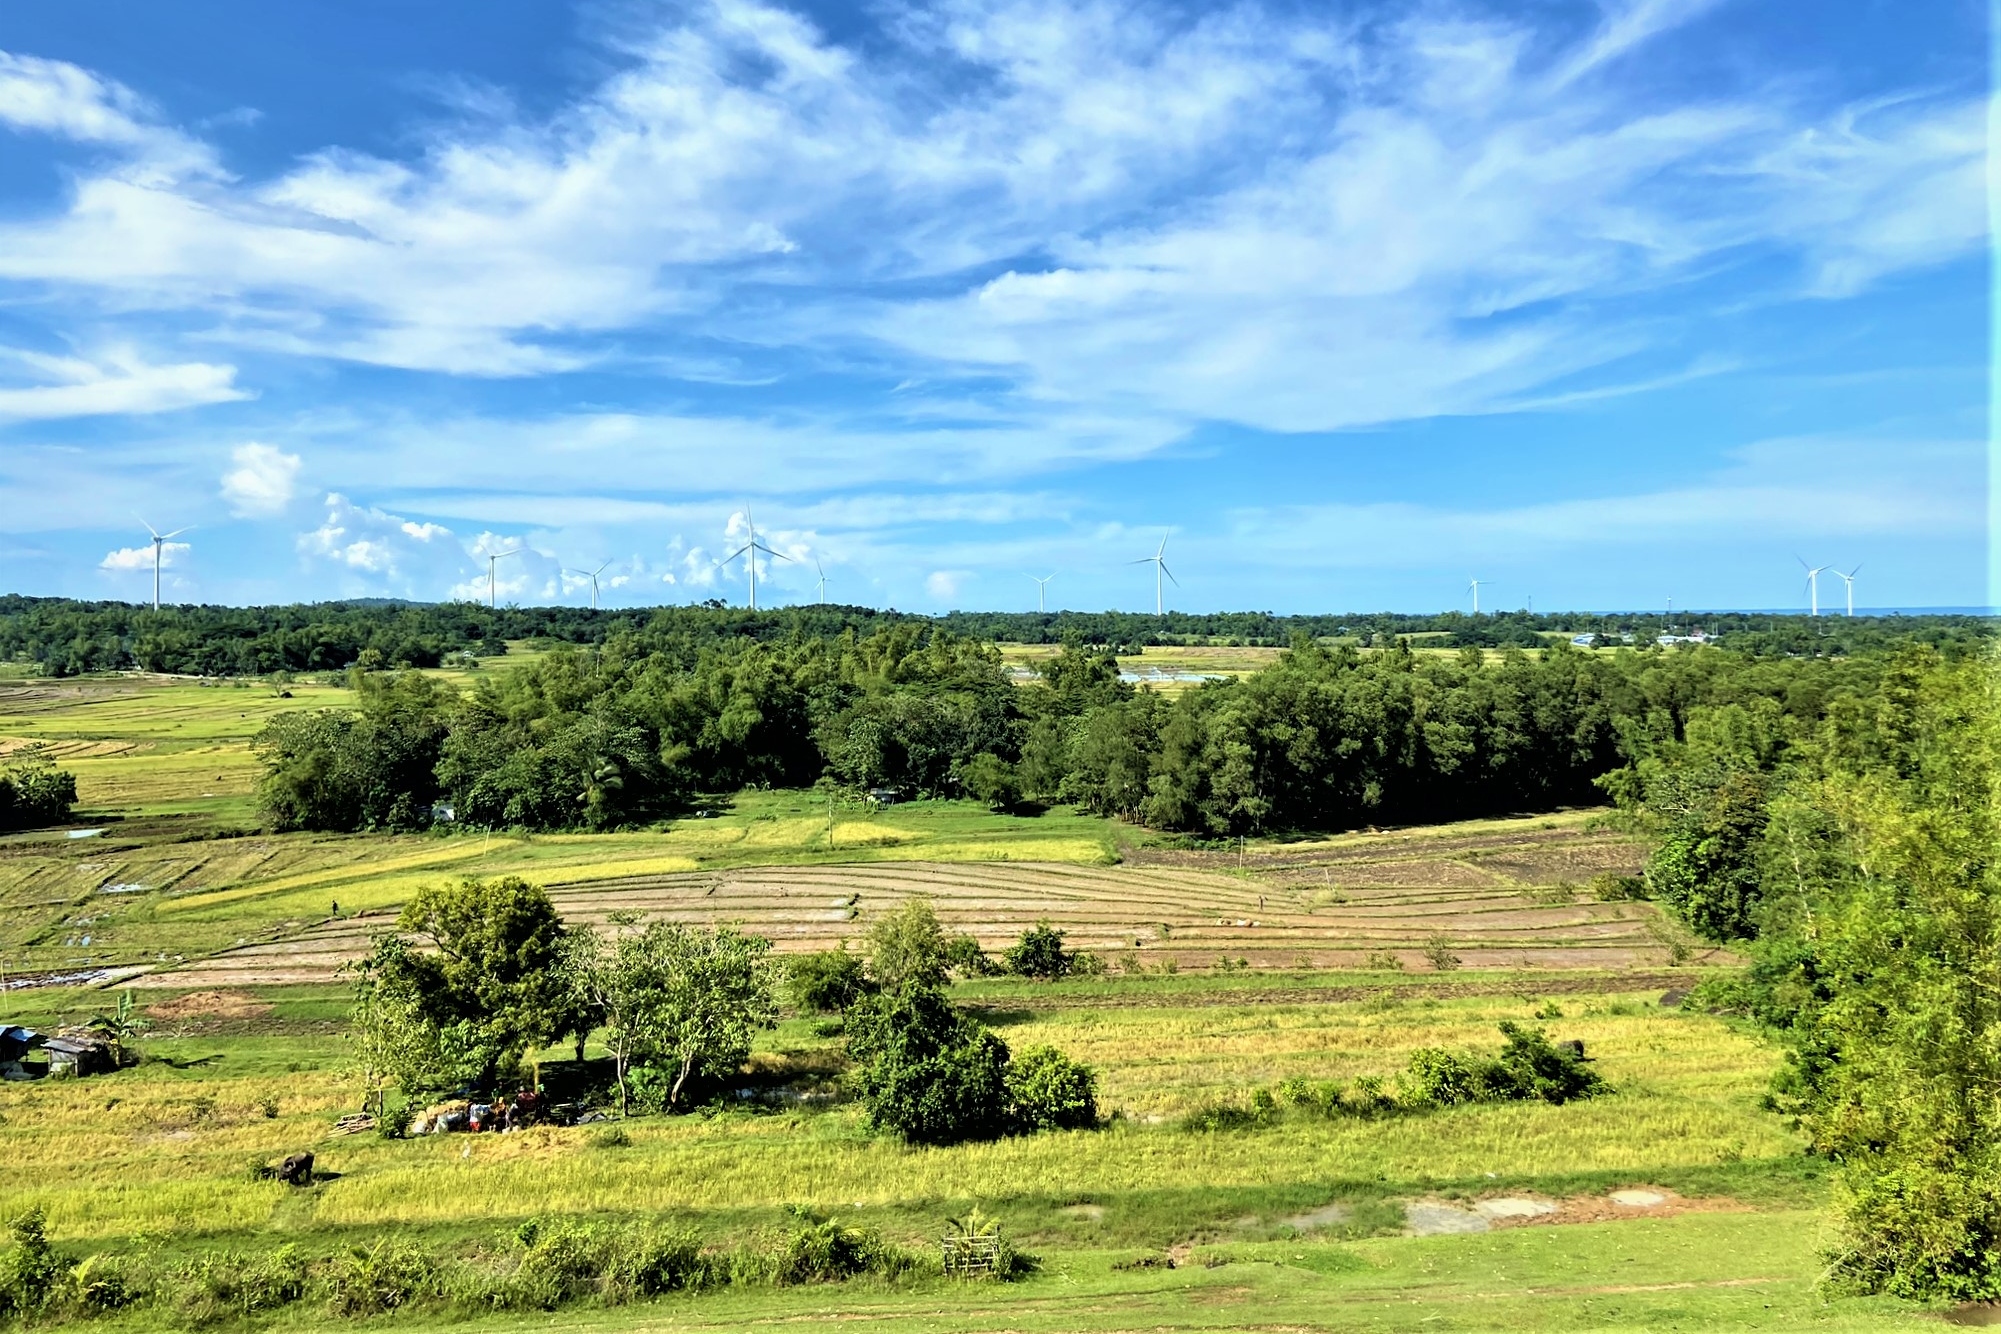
828, 981
1437, 1078
570, 1262
936, 1076
374, 1280
1528, 1069
224, 1285
1039, 953
1214, 1117
827, 1252
1046, 1090
34, 792
967, 959
31, 1272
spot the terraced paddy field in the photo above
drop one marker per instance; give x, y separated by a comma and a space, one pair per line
270, 910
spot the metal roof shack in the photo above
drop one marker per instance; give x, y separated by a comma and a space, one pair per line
76, 1055
15, 1044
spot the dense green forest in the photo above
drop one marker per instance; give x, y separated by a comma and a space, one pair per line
1856, 858
1327, 737
62, 637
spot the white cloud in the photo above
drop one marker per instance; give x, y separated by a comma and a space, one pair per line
57, 98
117, 381
944, 585
379, 551
263, 481
1271, 217
141, 558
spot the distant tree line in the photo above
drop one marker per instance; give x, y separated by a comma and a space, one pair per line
64, 637
1854, 853
628, 732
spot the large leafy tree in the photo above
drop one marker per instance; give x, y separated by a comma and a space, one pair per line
467, 983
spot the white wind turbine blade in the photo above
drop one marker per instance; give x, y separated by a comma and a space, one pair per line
1170, 574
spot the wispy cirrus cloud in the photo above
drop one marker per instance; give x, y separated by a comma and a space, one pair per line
37, 386
1260, 216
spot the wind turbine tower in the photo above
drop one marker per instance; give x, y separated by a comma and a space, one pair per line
592, 575
1474, 584
159, 541
1041, 587
820, 570
750, 549
1159, 562
1813, 573
493, 558
1849, 580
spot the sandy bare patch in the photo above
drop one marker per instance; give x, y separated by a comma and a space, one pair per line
209, 1005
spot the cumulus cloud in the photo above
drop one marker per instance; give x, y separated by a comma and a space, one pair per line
141, 558
944, 585
385, 551
263, 481
118, 380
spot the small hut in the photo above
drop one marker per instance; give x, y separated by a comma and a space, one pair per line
15, 1044
76, 1055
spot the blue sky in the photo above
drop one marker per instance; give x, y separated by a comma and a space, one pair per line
1604, 304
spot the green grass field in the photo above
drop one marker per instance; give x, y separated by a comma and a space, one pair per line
1291, 1226
1295, 1225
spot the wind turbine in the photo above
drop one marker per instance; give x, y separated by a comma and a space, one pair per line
820, 570
1812, 583
160, 540
591, 575
1848, 579
1042, 585
752, 547
1159, 562
1474, 584
491, 560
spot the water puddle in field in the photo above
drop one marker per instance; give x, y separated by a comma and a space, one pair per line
84, 979
83, 833
1442, 1220
1327, 1215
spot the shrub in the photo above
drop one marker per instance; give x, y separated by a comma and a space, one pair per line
34, 792
374, 1280
965, 957
1438, 950
1214, 1117
928, 1072
31, 1272
1046, 1090
828, 981
223, 1285
827, 1252
1039, 953
1529, 1068
569, 1262
1437, 1078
